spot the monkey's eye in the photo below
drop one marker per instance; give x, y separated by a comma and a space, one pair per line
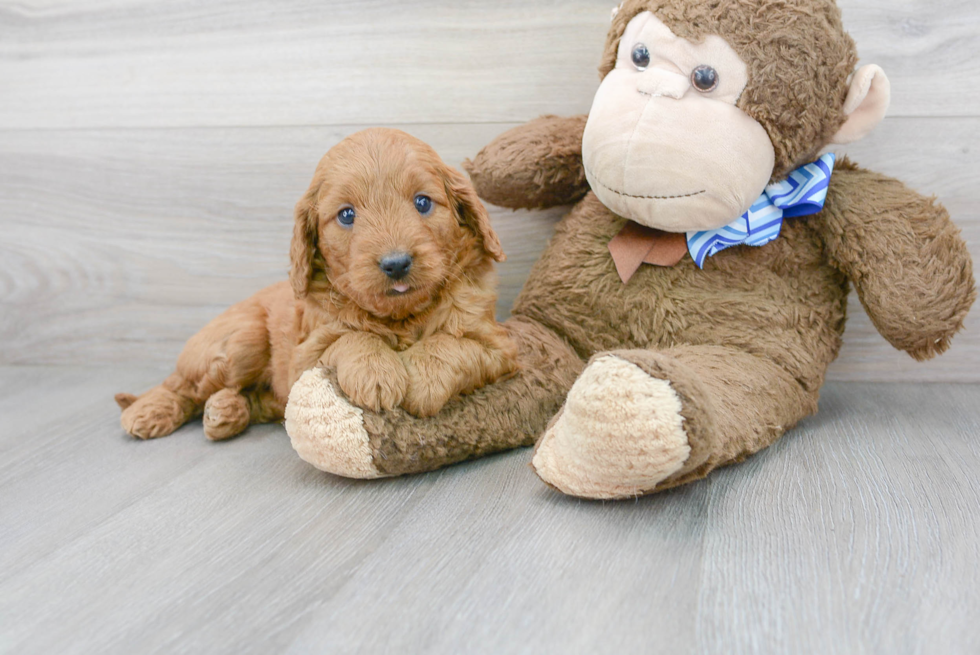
346, 216
641, 57
423, 204
704, 78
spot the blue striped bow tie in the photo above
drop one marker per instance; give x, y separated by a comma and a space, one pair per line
801, 194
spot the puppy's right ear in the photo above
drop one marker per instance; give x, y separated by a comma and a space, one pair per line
304, 246
471, 211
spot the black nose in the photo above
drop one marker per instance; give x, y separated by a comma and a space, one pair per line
396, 265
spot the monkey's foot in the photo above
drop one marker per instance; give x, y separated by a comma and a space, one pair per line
619, 434
326, 430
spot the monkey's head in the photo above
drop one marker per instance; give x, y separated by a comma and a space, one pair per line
703, 103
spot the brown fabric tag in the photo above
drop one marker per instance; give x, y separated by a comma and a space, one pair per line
637, 244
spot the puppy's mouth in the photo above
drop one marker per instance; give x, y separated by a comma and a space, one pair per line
399, 289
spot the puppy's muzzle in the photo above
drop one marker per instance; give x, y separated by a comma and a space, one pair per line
396, 265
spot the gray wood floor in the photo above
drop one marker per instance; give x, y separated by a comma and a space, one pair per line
856, 533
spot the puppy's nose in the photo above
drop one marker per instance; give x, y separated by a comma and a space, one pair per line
396, 264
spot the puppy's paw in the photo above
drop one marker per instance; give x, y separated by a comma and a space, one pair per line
375, 381
430, 383
619, 434
155, 414
425, 397
326, 430
226, 414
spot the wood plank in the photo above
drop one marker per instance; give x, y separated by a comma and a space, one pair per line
858, 532
132, 63
138, 64
854, 533
119, 244
920, 44
118, 535
542, 580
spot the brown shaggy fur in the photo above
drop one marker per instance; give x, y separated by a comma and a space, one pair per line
415, 349
745, 343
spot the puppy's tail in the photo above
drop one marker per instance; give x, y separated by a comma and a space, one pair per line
124, 400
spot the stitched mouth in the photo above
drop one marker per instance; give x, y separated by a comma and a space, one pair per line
630, 195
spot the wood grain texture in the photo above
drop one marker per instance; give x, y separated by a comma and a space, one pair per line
857, 533
120, 244
134, 63
150, 154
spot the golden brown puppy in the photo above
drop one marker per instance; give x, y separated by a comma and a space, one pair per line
391, 282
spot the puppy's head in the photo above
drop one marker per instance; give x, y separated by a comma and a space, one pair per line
386, 223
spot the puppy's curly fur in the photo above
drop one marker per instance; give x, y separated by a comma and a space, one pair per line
416, 341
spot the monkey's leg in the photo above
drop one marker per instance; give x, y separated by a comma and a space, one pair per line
335, 436
638, 421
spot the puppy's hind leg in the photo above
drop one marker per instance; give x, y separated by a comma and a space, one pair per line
156, 413
228, 412
230, 353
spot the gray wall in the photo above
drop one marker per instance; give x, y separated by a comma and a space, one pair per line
151, 153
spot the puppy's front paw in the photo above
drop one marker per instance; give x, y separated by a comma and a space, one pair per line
425, 397
430, 383
376, 381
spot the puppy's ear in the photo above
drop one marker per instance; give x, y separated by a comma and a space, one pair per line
471, 212
304, 246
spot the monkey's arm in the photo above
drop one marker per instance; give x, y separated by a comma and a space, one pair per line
911, 268
534, 166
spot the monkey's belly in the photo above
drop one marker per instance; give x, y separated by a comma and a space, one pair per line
782, 300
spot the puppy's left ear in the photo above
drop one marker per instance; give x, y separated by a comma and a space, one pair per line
471, 212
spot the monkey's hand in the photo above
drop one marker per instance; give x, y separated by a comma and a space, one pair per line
911, 268
534, 166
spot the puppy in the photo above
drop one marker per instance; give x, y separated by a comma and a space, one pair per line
391, 282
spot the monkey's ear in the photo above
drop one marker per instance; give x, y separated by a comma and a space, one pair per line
304, 245
866, 104
471, 211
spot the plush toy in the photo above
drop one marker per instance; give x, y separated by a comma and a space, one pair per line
686, 310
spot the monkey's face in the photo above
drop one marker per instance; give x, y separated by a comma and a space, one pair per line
665, 144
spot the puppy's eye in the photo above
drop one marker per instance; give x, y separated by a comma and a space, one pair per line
641, 57
423, 204
346, 216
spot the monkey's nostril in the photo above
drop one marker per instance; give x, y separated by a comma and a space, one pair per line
396, 265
